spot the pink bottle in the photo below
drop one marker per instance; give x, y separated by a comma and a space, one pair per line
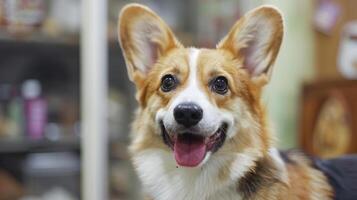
35, 109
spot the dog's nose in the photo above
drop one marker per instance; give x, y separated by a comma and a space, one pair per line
188, 114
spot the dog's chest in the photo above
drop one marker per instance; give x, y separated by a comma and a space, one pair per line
163, 180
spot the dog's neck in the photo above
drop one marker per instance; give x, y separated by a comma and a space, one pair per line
167, 181
266, 172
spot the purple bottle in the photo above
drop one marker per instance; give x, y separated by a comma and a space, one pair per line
35, 109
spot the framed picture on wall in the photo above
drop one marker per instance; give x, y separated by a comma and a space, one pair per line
328, 119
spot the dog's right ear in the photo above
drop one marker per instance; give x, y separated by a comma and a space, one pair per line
144, 38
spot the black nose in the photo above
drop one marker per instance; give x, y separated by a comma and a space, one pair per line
188, 114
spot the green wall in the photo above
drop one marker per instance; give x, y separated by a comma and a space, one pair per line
295, 65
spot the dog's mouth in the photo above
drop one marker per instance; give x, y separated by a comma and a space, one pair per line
190, 149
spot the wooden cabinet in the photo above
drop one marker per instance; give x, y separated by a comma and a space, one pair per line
328, 120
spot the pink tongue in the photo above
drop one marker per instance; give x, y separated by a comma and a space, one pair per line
189, 150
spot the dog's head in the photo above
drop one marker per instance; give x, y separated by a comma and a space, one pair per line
198, 102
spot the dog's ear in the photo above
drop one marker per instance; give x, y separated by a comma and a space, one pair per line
255, 39
144, 38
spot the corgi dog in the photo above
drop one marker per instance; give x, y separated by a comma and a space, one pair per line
201, 131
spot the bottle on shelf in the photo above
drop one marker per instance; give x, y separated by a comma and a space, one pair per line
15, 115
35, 109
4, 101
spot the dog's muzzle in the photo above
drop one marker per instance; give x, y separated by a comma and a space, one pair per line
190, 148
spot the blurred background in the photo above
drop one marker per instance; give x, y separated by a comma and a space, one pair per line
311, 99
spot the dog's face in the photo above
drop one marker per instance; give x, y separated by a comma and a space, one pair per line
200, 102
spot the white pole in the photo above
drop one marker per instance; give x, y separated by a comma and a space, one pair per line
94, 87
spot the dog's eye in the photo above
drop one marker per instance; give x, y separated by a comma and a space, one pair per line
220, 85
168, 83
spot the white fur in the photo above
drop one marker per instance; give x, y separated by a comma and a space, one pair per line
280, 164
244, 120
274, 153
163, 180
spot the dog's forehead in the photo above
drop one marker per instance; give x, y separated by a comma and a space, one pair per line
213, 57
201, 62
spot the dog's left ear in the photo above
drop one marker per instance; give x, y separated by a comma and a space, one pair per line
255, 39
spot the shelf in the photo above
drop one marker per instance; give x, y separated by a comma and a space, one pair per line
38, 37
31, 146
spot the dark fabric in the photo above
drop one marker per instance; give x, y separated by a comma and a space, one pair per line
342, 175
